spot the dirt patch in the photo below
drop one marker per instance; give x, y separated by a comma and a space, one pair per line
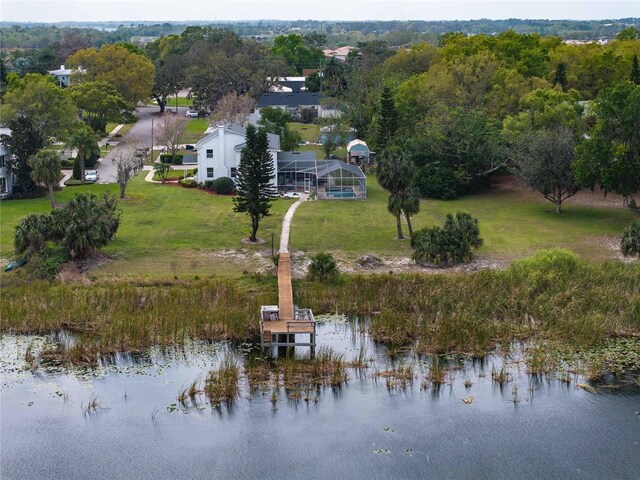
91, 262
613, 245
259, 241
587, 198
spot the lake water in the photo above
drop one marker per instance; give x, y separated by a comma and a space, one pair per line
544, 428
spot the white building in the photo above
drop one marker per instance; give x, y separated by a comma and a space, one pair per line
219, 152
6, 178
63, 75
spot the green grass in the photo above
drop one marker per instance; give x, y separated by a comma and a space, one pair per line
309, 132
341, 152
195, 130
511, 226
122, 132
181, 101
170, 230
176, 173
165, 229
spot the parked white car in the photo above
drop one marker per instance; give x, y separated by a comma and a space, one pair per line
91, 176
291, 195
191, 114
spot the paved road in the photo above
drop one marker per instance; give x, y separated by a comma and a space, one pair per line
138, 136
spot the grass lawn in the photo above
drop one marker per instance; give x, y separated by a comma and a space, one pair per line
176, 173
309, 132
169, 230
341, 152
195, 130
165, 229
181, 101
511, 226
122, 132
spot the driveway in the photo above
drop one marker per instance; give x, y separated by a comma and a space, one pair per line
139, 136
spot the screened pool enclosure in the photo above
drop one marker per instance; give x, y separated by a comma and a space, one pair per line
329, 179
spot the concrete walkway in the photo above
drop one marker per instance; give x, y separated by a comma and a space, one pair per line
286, 224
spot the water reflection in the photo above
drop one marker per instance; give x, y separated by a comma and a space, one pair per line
362, 410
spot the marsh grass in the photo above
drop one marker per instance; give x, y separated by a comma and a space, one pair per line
551, 296
94, 405
221, 385
125, 317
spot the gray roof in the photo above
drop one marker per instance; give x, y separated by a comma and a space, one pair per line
327, 166
290, 99
303, 162
274, 140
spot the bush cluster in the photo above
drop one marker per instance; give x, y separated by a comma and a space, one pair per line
84, 224
223, 185
630, 243
322, 267
447, 245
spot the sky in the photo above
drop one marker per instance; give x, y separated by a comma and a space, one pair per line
168, 10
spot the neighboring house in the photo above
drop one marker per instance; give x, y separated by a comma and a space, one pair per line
288, 84
219, 152
63, 75
358, 152
338, 53
6, 178
295, 102
341, 137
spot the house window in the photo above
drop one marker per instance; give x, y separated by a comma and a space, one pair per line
1, 161
210, 172
210, 153
233, 172
3, 185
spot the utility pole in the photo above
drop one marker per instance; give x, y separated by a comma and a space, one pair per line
151, 153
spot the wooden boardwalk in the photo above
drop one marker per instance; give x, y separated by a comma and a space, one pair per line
279, 325
285, 291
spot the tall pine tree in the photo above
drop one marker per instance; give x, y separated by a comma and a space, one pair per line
561, 76
635, 70
387, 120
253, 180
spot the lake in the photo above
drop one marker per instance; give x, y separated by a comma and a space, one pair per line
123, 419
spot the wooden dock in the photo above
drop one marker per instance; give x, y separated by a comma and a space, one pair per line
285, 290
285, 325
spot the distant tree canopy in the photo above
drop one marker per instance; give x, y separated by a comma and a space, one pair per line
299, 51
132, 74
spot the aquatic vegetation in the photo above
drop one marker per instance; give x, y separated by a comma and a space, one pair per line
221, 385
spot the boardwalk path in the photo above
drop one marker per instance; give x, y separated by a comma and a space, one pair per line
285, 291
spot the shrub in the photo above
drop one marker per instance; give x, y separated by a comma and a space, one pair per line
208, 184
449, 244
630, 243
223, 185
436, 181
322, 267
67, 163
176, 160
165, 158
52, 257
188, 183
77, 169
84, 224
72, 182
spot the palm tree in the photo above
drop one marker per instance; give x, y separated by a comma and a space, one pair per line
45, 169
396, 174
83, 139
410, 207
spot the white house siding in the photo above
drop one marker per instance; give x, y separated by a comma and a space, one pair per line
6, 179
225, 145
